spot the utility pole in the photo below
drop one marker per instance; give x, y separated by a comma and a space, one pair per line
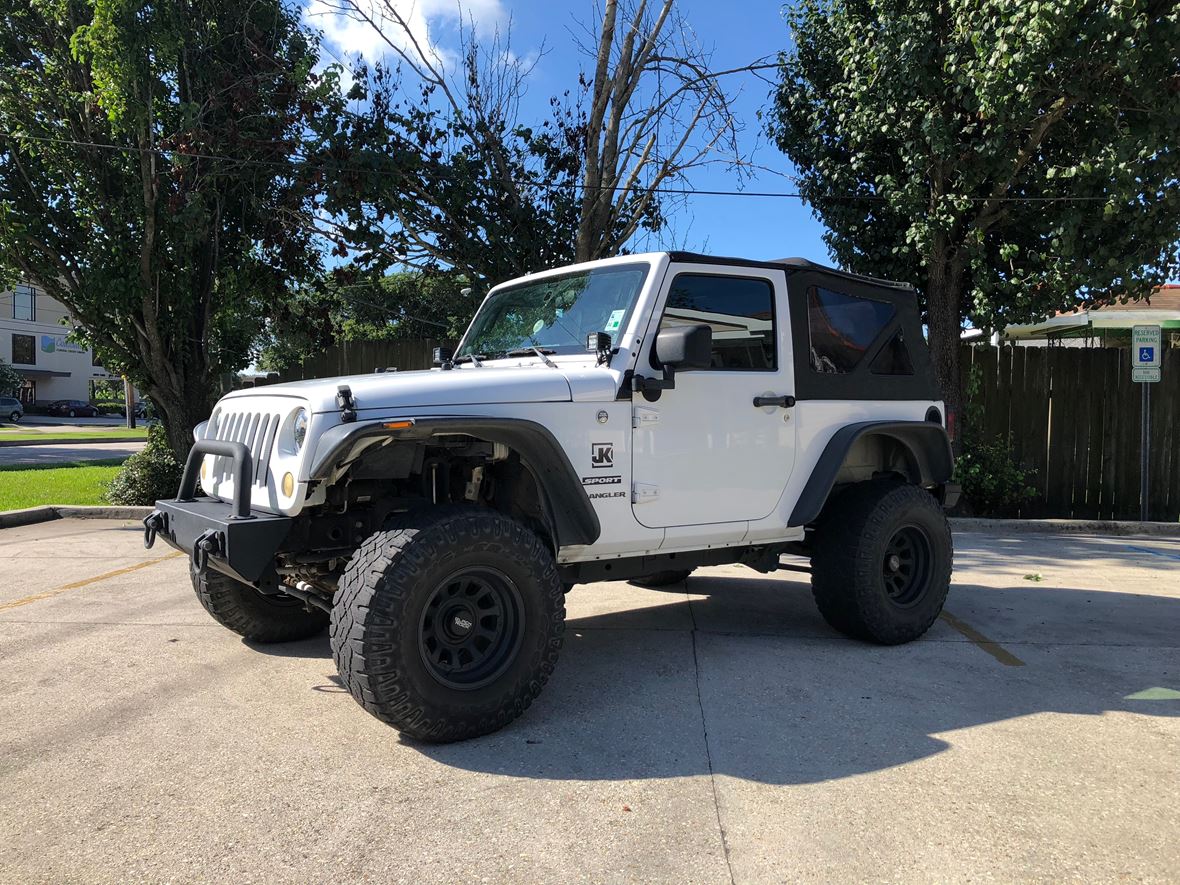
129, 402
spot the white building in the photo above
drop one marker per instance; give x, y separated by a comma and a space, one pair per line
33, 341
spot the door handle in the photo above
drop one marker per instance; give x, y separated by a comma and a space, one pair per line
783, 402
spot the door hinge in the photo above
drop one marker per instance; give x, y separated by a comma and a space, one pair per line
642, 493
642, 417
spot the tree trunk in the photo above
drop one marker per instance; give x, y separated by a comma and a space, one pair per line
180, 411
944, 299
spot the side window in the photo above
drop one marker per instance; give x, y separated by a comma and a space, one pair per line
842, 327
24, 302
24, 349
740, 311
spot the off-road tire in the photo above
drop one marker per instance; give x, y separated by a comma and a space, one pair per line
382, 620
662, 579
249, 613
851, 575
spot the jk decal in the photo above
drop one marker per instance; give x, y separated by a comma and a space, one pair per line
602, 455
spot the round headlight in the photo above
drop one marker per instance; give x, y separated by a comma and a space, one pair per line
300, 428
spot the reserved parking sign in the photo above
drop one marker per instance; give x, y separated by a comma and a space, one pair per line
1145, 353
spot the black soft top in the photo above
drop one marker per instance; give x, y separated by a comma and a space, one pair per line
861, 383
789, 264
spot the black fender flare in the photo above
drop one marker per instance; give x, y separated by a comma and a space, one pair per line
570, 512
929, 460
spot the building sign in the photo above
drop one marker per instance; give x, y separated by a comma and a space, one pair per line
59, 344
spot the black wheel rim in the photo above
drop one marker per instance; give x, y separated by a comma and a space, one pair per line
471, 628
906, 566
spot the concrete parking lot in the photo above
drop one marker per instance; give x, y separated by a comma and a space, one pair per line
712, 732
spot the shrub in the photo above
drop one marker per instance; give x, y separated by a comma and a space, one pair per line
994, 482
149, 475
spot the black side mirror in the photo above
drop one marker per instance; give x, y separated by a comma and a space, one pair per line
685, 347
443, 357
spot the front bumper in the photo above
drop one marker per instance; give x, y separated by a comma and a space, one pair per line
230, 538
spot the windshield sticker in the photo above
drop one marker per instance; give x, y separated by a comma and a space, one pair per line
538, 326
616, 320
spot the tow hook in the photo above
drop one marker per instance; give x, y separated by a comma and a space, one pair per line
207, 544
153, 523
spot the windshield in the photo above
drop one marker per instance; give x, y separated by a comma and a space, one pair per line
555, 314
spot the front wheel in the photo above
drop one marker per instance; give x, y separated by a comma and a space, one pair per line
881, 565
73, 414
447, 627
14, 417
253, 615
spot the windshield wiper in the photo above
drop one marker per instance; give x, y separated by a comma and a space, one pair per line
529, 351
476, 359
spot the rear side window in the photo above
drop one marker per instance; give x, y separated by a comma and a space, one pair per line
740, 310
842, 327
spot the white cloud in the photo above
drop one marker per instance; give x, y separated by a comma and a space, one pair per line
347, 33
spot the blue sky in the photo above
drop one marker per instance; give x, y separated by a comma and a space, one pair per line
736, 32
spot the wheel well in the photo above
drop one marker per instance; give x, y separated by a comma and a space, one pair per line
397, 476
873, 456
916, 451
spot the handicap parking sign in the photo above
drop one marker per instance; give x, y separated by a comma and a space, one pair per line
1145, 347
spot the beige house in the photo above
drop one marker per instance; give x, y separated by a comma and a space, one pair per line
33, 340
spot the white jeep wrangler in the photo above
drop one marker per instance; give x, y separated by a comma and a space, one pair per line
632, 418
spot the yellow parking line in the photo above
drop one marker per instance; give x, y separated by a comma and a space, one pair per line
48, 594
994, 649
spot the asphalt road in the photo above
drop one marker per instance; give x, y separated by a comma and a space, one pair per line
67, 452
717, 732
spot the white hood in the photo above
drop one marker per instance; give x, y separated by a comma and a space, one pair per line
458, 387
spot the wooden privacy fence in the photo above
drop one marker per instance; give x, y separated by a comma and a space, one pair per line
362, 357
1074, 416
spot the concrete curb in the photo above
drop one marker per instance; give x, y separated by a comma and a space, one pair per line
31, 515
65, 441
1066, 527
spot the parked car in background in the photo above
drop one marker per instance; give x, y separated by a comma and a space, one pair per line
73, 408
11, 408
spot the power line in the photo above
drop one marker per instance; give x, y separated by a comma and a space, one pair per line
688, 192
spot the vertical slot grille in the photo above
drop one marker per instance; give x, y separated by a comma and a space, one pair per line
258, 431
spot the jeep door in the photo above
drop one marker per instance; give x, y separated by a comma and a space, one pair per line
703, 452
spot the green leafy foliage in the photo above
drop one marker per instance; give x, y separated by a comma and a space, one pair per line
148, 475
994, 482
149, 178
398, 305
10, 379
1009, 158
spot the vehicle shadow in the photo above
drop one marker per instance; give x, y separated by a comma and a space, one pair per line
784, 699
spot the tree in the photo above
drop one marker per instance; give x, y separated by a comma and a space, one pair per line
440, 170
1010, 158
149, 178
640, 135
403, 304
9, 379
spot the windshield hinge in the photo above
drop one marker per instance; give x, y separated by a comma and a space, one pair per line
642, 417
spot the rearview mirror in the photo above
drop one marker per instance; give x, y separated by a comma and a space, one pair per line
685, 347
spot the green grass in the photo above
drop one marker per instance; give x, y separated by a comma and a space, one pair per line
114, 434
31, 485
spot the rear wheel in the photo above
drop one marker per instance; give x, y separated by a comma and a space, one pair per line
448, 628
73, 414
255, 616
881, 566
663, 579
